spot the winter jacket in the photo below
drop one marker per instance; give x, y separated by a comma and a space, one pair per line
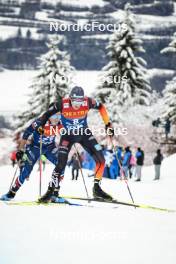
132, 161
158, 159
13, 155
119, 154
167, 126
75, 163
140, 157
126, 158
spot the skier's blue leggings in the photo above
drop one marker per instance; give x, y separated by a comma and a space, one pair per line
32, 155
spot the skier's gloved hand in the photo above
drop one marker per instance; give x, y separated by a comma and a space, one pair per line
19, 155
40, 130
109, 130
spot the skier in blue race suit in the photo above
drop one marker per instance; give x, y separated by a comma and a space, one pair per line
28, 154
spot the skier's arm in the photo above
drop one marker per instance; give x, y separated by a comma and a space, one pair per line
55, 108
93, 104
28, 131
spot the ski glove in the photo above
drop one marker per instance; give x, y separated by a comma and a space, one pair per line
19, 155
40, 130
109, 130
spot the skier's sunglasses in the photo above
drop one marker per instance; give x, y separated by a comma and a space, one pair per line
77, 102
55, 116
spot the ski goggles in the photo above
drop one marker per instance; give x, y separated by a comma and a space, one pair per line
77, 102
54, 119
55, 116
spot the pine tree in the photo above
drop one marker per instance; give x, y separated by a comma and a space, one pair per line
169, 99
171, 47
52, 81
125, 73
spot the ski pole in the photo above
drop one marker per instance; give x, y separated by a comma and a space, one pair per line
16, 169
122, 171
40, 167
79, 161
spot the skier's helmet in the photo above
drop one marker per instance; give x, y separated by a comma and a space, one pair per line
77, 96
77, 92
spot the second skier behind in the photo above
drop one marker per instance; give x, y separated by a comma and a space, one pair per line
28, 154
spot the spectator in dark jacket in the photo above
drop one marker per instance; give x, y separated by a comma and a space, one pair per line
75, 167
139, 163
167, 127
157, 162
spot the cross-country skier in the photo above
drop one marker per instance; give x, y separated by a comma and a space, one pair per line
74, 112
28, 154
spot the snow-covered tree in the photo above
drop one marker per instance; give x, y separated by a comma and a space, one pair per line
52, 81
169, 99
126, 72
169, 110
171, 47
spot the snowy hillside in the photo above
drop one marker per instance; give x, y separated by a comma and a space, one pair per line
77, 2
65, 234
155, 20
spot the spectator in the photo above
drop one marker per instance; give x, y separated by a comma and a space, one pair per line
119, 155
132, 166
114, 169
108, 154
13, 158
126, 161
157, 162
75, 167
156, 122
139, 163
167, 127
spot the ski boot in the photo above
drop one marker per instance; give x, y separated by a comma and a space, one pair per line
47, 197
8, 196
99, 194
55, 197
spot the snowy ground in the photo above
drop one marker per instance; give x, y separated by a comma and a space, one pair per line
68, 235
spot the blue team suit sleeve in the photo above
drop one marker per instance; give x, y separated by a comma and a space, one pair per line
30, 130
55, 108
